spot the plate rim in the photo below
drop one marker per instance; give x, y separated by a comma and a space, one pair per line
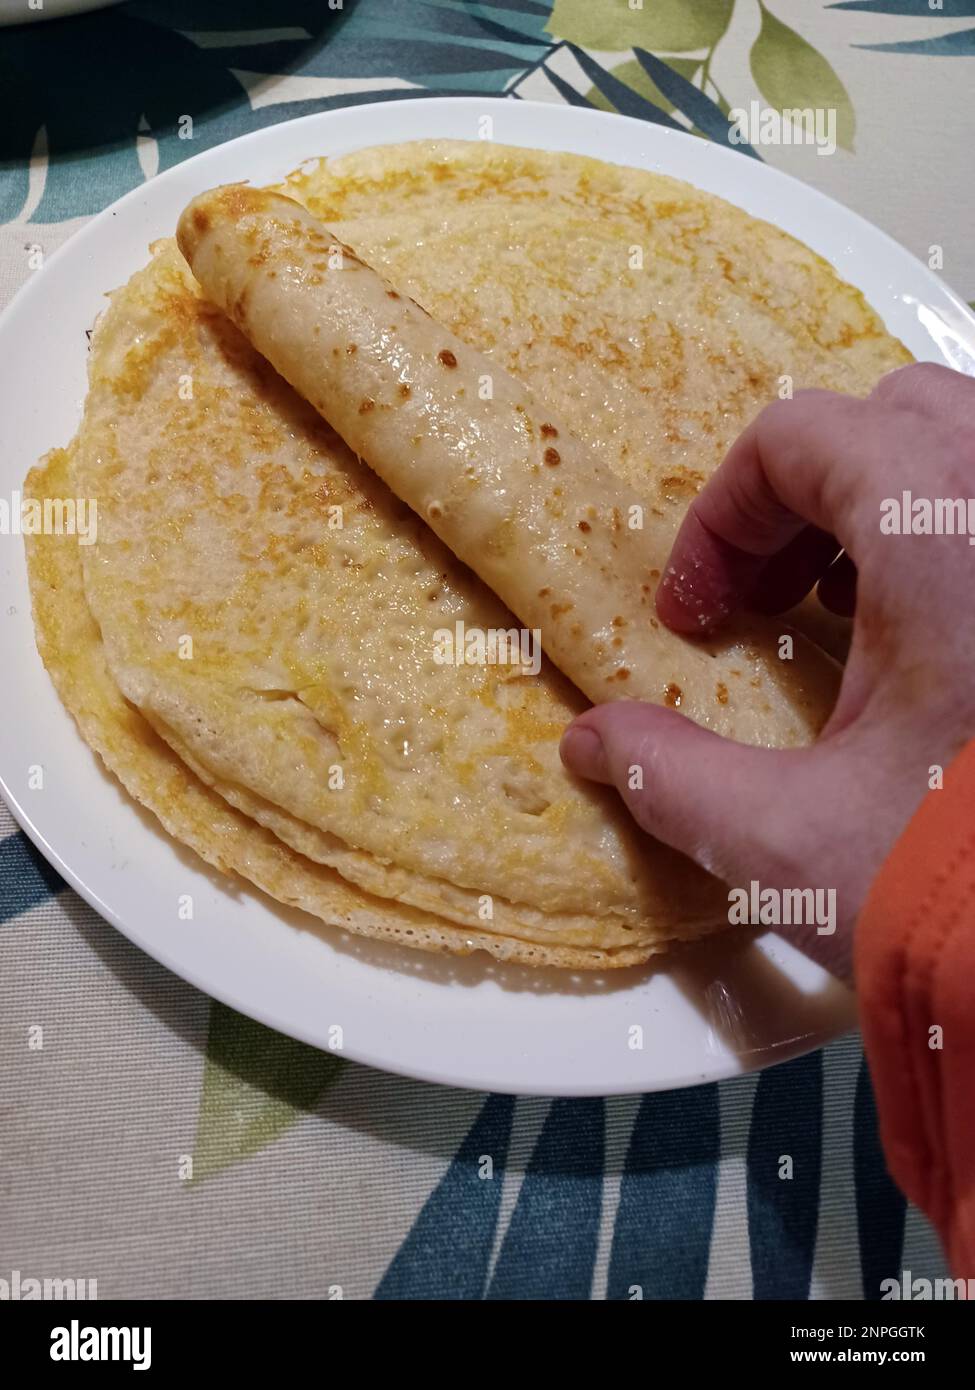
75, 245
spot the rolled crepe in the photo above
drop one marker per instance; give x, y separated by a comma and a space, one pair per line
548, 526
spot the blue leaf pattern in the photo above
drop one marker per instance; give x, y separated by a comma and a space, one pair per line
880, 1206
26, 878
627, 101
662, 1239
660, 1244
783, 1211
940, 45
920, 9
696, 105
549, 1249
155, 62
447, 1251
958, 45
565, 89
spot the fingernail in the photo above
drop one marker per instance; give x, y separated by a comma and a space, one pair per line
583, 753
685, 604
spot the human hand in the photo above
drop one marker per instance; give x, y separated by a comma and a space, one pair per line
806, 481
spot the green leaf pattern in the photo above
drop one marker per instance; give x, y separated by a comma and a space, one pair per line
792, 75
789, 71
634, 76
675, 26
256, 1084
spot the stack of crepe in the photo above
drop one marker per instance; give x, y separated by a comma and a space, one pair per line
251, 644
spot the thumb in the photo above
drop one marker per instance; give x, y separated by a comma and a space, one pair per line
745, 814
714, 800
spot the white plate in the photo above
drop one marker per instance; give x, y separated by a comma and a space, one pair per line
728, 1006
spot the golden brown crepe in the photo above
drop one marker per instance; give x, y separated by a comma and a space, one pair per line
494, 471
70, 644
291, 667
455, 826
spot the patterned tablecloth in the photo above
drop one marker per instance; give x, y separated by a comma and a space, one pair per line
165, 1146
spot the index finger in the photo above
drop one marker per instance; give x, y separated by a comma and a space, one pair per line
799, 463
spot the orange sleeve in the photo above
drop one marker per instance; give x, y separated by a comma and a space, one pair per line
915, 971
